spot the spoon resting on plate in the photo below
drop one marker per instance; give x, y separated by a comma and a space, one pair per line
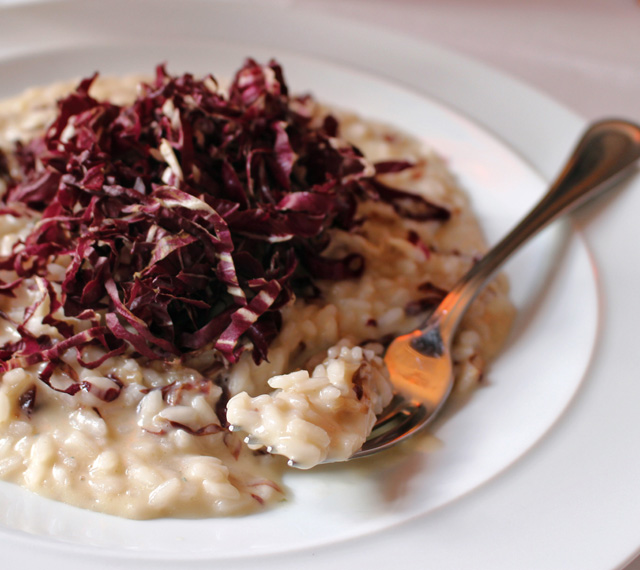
420, 363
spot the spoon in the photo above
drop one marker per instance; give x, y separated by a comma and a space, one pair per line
419, 363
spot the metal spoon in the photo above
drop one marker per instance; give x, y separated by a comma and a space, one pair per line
420, 362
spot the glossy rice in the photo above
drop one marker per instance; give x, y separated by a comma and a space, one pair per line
161, 448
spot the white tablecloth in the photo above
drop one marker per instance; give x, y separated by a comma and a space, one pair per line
583, 53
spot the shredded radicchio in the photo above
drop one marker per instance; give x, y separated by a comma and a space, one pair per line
189, 218
4, 167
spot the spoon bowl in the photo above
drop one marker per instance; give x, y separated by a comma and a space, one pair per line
419, 363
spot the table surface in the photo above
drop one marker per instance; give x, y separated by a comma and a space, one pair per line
583, 53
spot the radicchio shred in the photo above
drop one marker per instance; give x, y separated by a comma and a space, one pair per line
189, 218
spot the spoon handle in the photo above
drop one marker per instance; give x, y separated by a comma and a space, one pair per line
602, 155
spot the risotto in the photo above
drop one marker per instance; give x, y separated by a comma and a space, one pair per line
184, 310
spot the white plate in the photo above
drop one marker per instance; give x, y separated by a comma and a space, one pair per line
532, 468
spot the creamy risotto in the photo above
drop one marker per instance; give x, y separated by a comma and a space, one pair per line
122, 395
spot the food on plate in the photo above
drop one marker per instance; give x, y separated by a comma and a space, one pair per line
197, 285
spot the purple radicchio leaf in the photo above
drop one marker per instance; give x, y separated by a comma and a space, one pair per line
188, 219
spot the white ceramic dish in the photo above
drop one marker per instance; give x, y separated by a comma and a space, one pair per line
509, 485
